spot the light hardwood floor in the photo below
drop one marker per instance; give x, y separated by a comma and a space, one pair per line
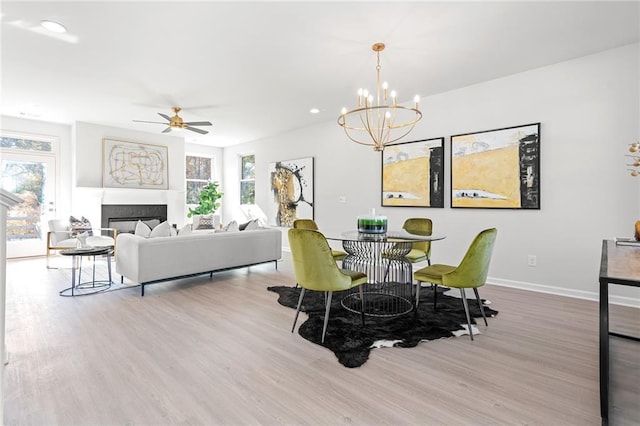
220, 351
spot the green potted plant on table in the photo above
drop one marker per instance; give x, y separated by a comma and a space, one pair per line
208, 202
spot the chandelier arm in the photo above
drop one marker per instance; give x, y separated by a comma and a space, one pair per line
357, 141
368, 126
401, 136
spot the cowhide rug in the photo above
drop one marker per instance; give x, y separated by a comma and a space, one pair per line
351, 342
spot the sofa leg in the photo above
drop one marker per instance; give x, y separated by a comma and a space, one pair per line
142, 290
276, 262
121, 279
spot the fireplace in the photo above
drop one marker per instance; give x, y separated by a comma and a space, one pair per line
124, 217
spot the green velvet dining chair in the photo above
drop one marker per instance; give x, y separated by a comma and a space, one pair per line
470, 273
316, 270
420, 250
338, 255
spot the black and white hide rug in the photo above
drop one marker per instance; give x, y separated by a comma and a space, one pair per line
351, 342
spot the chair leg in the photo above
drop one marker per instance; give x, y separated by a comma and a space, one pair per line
298, 308
475, 290
435, 296
466, 311
361, 289
418, 285
326, 314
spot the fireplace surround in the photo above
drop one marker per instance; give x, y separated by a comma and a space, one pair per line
124, 217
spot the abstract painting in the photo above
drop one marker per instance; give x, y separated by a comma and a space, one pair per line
413, 174
291, 184
134, 165
497, 169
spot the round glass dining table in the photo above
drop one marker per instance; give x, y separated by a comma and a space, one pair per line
389, 290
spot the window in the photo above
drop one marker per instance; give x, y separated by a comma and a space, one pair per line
248, 180
199, 172
25, 144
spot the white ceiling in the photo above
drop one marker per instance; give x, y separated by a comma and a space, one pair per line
255, 69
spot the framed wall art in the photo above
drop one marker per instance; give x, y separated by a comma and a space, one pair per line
134, 165
291, 184
496, 169
413, 174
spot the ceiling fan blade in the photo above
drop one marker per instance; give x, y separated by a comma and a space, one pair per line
193, 129
198, 123
143, 121
167, 130
165, 116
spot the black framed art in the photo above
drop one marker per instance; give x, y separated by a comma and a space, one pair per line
413, 174
496, 169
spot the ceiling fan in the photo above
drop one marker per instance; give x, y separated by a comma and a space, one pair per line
176, 122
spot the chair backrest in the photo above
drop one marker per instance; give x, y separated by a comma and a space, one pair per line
305, 224
313, 264
420, 226
473, 269
60, 230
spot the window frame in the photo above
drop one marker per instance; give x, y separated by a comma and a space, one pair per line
186, 180
247, 180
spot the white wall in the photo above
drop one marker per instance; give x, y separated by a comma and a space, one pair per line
589, 112
88, 193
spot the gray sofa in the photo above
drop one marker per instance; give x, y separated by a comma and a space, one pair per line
153, 260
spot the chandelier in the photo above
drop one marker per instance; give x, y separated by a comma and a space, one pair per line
634, 147
376, 120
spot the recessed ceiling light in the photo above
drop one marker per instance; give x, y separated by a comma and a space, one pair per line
53, 26
314, 110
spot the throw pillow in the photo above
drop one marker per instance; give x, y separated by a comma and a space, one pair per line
162, 230
152, 223
252, 224
173, 231
205, 223
142, 229
185, 230
78, 226
232, 227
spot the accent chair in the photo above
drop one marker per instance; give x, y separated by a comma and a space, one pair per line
338, 255
470, 273
315, 269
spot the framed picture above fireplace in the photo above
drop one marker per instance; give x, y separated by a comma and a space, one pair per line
134, 165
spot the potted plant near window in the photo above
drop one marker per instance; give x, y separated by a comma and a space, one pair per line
209, 196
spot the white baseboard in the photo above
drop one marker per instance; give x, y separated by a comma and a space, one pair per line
578, 294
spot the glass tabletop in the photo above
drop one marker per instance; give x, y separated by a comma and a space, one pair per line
400, 236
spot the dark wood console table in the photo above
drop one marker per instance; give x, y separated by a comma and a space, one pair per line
619, 264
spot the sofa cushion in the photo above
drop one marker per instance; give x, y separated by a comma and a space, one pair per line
251, 225
185, 230
231, 227
205, 222
78, 226
162, 230
142, 229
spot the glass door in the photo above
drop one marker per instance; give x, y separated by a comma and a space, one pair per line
32, 177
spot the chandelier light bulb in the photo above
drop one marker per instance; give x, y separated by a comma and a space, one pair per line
344, 110
634, 173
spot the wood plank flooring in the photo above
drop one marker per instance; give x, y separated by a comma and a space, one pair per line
220, 352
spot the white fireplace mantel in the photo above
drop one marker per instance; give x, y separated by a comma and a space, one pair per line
88, 201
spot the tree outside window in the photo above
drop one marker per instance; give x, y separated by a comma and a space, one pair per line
248, 180
199, 172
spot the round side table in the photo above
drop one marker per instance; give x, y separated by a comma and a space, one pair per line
83, 288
